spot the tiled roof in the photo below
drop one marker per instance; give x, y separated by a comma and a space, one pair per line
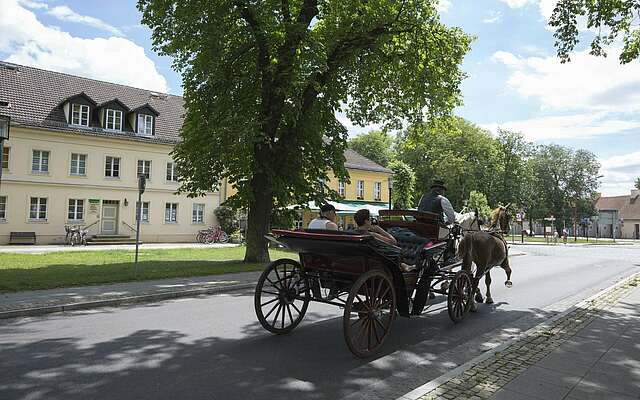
357, 161
36, 95
628, 207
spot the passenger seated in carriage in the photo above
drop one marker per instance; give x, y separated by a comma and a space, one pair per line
326, 220
363, 220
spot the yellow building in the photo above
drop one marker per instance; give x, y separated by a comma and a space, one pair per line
368, 186
76, 149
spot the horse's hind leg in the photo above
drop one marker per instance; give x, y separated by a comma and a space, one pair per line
487, 281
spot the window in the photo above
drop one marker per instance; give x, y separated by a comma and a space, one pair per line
38, 210
145, 124
145, 211
360, 193
114, 120
76, 210
171, 212
5, 157
79, 115
377, 190
40, 161
144, 168
112, 167
198, 214
172, 175
3, 208
78, 164
341, 189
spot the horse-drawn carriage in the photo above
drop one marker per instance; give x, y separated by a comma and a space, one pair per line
358, 273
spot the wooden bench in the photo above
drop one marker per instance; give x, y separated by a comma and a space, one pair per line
22, 238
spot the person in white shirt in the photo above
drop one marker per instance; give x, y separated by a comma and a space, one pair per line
326, 220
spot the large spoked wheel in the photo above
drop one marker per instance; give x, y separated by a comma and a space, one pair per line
369, 313
282, 296
459, 296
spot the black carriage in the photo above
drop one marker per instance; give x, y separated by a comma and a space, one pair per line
358, 273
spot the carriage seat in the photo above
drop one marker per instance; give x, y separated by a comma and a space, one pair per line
410, 244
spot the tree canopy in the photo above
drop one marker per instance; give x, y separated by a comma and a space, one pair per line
404, 180
263, 81
613, 20
375, 145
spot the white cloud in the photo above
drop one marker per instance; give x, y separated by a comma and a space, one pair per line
517, 3
619, 173
27, 41
443, 6
492, 17
587, 82
575, 126
64, 13
546, 8
36, 5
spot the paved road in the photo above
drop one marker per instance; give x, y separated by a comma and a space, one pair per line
213, 347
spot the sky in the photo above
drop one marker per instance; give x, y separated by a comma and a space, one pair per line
515, 80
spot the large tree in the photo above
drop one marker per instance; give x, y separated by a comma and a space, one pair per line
454, 150
612, 19
375, 145
263, 80
565, 182
404, 180
512, 153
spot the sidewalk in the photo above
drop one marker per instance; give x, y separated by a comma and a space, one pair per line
39, 302
144, 246
590, 352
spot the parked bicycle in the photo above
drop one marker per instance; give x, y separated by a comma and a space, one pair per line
75, 235
212, 235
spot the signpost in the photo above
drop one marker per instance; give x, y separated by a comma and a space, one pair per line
142, 183
520, 218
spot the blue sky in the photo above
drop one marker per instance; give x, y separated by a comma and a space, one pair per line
515, 81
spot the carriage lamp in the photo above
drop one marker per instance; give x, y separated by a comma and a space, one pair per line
390, 181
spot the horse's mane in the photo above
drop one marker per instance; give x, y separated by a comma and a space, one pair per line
495, 214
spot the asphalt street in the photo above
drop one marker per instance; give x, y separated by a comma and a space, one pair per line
213, 347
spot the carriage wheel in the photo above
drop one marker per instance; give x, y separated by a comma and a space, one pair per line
282, 296
368, 313
459, 296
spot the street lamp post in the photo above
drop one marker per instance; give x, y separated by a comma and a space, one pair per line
5, 125
390, 181
142, 183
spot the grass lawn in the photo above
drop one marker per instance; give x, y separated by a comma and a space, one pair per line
541, 239
64, 269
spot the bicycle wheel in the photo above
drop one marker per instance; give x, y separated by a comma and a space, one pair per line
223, 237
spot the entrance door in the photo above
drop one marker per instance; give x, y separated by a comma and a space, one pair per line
109, 217
637, 235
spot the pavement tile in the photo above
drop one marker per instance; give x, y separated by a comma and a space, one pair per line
589, 391
576, 364
543, 383
504, 394
622, 380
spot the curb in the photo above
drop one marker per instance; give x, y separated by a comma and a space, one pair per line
422, 390
145, 298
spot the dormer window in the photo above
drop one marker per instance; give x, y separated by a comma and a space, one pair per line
113, 120
79, 114
145, 124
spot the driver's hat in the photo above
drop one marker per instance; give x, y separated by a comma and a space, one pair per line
438, 184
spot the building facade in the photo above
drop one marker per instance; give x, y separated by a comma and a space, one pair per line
618, 217
76, 149
368, 187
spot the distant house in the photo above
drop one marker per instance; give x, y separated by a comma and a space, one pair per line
76, 149
619, 216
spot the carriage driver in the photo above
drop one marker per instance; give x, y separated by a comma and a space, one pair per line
434, 201
326, 220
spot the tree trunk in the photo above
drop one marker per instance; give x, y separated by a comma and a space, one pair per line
258, 220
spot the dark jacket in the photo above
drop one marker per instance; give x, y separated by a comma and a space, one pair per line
431, 202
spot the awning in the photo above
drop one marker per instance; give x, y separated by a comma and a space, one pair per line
348, 207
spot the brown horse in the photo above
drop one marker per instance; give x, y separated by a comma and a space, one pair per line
486, 249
